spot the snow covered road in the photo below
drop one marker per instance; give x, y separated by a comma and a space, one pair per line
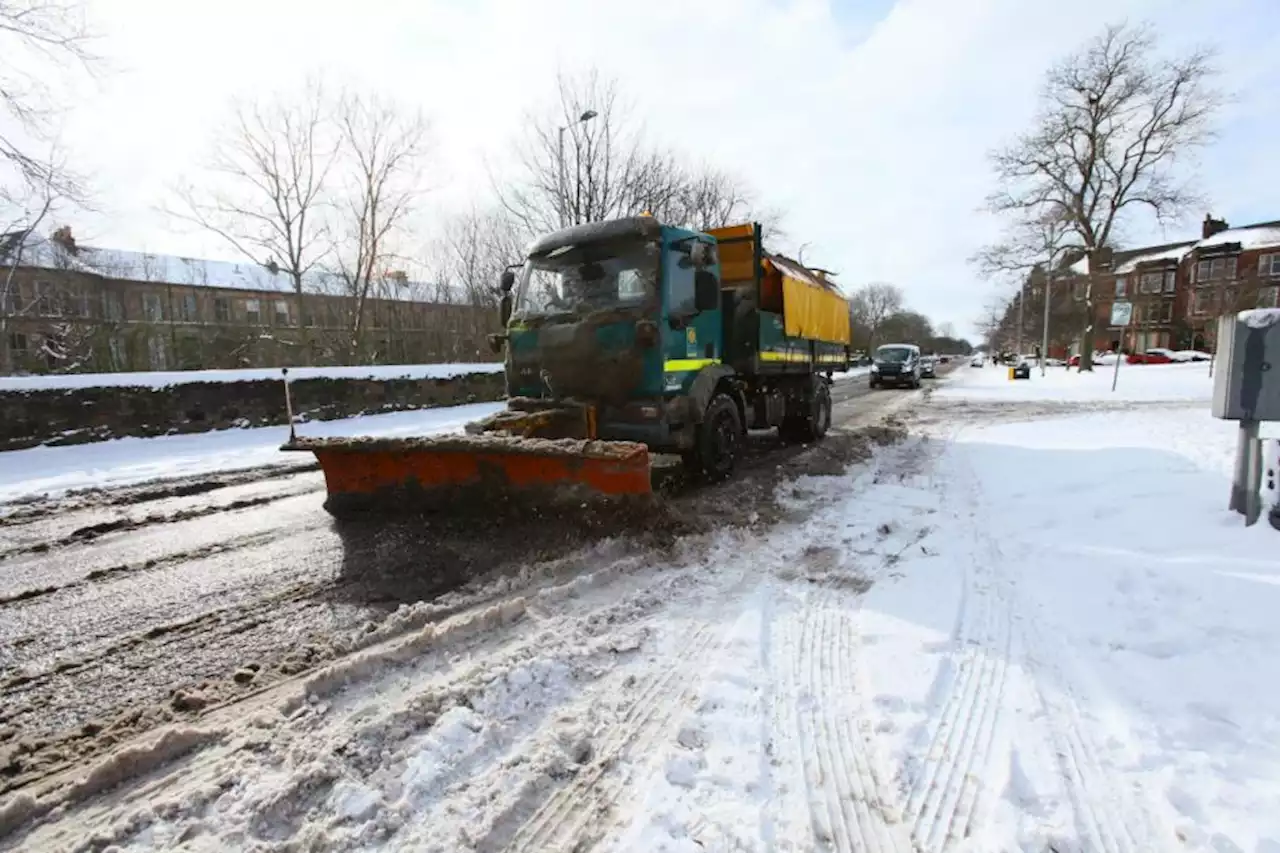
1016, 628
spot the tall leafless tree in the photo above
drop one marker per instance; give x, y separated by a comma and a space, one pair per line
1116, 125
872, 305
40, 41
1031, 254
381, 159
606, 168
264, 192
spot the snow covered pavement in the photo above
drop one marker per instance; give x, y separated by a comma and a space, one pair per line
51, 471
1005, 632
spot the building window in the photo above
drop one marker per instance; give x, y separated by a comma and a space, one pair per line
1079, 290
156, 352
13, 300
1120, 286
1215, 268
1170, 281
46, 305
1229, 299
1269, 297
1151, 282
282, 313
1167, 314
1269, 265
222, 310
152, 307
112, 306
18, 345
252, 312
188, 308
1202, 302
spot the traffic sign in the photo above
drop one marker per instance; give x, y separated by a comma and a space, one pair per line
1121, 313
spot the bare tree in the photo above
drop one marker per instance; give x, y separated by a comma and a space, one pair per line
587, 159
872, 305
1031, 255
267, 179
39, 40
581, 161
1115, 127
380, 170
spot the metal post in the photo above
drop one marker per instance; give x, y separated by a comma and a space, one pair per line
563, 202
1119, 358
1022, 292
288, 404
1048, 293
1247, 474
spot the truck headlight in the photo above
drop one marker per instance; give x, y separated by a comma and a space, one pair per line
874, 369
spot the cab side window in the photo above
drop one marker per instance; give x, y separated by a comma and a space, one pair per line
680, 284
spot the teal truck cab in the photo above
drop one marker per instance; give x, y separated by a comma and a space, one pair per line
631, 330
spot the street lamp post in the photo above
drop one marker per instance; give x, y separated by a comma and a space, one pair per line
1048, 294
587, 116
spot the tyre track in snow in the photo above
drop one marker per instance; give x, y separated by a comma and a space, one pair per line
814, 657
562, 821
944, 797
1107, 820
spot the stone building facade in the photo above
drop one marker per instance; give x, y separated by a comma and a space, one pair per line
66, 308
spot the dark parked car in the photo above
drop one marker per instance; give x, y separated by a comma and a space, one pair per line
897, 365
928, 367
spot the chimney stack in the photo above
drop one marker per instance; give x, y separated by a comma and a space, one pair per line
1212, 226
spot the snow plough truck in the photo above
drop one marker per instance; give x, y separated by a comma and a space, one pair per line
622, 339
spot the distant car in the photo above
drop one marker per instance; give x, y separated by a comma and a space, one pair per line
977, 361
928, 367
896, 364
1022, 370
1149, 357
944, 359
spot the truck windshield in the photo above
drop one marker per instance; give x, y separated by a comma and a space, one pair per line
577, 280
893, 355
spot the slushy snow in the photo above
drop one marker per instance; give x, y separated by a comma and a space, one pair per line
51, 471
1025, 627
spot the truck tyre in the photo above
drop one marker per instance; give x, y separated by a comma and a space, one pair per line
815, 423
719, 440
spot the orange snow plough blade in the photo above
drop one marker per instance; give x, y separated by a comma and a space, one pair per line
476, 473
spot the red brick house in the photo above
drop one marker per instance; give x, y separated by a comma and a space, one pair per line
1178, 290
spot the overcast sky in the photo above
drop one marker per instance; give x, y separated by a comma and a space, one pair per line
867, 121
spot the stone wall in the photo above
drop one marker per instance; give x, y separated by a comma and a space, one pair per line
82, 415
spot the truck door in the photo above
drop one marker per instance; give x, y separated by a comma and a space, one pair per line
693, 337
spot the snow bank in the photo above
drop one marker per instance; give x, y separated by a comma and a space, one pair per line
1136, 382
851, 373
164, 379
125, 461
1154, 611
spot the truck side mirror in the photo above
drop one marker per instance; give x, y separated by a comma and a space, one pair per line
507, 281
706, 291
504, 309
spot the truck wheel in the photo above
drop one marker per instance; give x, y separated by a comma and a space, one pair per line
815, 423
719, 440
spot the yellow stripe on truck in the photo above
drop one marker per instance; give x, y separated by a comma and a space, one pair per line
677, 365
784, 356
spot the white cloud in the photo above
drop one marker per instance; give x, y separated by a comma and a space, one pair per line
872, 134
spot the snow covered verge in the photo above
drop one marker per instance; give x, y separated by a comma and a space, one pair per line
53, 471
169, 378
993, 636
1135, 382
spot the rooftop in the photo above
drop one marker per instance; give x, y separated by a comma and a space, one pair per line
124, 265
1260, 235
